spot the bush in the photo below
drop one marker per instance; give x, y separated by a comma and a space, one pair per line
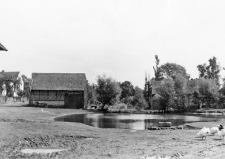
119, 106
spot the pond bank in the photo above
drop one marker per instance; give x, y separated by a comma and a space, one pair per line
134, 111
28, 127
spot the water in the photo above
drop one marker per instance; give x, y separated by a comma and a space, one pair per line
132, 121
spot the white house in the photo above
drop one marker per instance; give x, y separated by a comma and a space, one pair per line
14, 79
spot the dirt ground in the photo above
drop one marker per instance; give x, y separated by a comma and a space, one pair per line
29, 127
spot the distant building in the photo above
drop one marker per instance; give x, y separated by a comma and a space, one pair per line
68, 89
14, 80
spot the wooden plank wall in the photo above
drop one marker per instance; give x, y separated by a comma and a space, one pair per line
37, 95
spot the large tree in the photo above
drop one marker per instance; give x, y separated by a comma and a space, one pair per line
138, 99
127, 89
107, 90
172, 93
208, 90
171, 70
210, 71
167, 92
180, 92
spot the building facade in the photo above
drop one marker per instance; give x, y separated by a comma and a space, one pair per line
64, 89
11, 83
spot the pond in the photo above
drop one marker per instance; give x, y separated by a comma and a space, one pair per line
133, 121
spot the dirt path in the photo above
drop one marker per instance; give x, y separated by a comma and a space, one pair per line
27, 127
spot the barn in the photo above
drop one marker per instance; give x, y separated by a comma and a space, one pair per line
65, 89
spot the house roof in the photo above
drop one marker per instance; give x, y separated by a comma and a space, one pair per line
2, 47
58, 81
9, 75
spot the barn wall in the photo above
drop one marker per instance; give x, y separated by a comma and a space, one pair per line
41, 95
58, 98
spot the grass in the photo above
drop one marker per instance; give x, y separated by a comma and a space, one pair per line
32, 127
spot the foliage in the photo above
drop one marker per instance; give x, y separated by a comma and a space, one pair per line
27, 84
157, 102
210, 71
157, 70
147, 90
179, 88
91, 93
26, 79
202, 71
21, 93
167, 92
138, 99
208, 89
107, 90
171, 94
127, 89
171, 70
10, 85
180, 84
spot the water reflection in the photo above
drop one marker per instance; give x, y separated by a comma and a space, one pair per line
131, 121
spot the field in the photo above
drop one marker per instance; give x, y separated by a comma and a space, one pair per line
29, 127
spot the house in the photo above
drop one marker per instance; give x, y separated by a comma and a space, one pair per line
11, 83
67, 89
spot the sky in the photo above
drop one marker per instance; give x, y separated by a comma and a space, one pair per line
118, 38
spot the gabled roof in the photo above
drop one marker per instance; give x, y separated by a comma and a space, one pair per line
2, 47
58, 81
9, 75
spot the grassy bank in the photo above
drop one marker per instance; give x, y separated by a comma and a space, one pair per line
29, 127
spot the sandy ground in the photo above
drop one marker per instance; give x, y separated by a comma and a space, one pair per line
28, 127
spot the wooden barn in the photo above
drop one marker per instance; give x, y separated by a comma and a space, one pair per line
68, 89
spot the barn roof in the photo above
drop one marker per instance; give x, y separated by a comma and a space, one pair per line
58, 81
9, 75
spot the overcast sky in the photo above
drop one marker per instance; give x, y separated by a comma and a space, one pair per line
118, 38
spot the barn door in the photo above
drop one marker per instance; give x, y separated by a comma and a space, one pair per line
74, 100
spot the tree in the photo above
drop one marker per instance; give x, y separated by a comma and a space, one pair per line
179, 87
9, 84
127, 89
167, 92
157, 70
179, 84
171, 70
26, 79
27, 84
148, 91
107, 90
210, 71
208, 89
91, 93
202, 71
138, 99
